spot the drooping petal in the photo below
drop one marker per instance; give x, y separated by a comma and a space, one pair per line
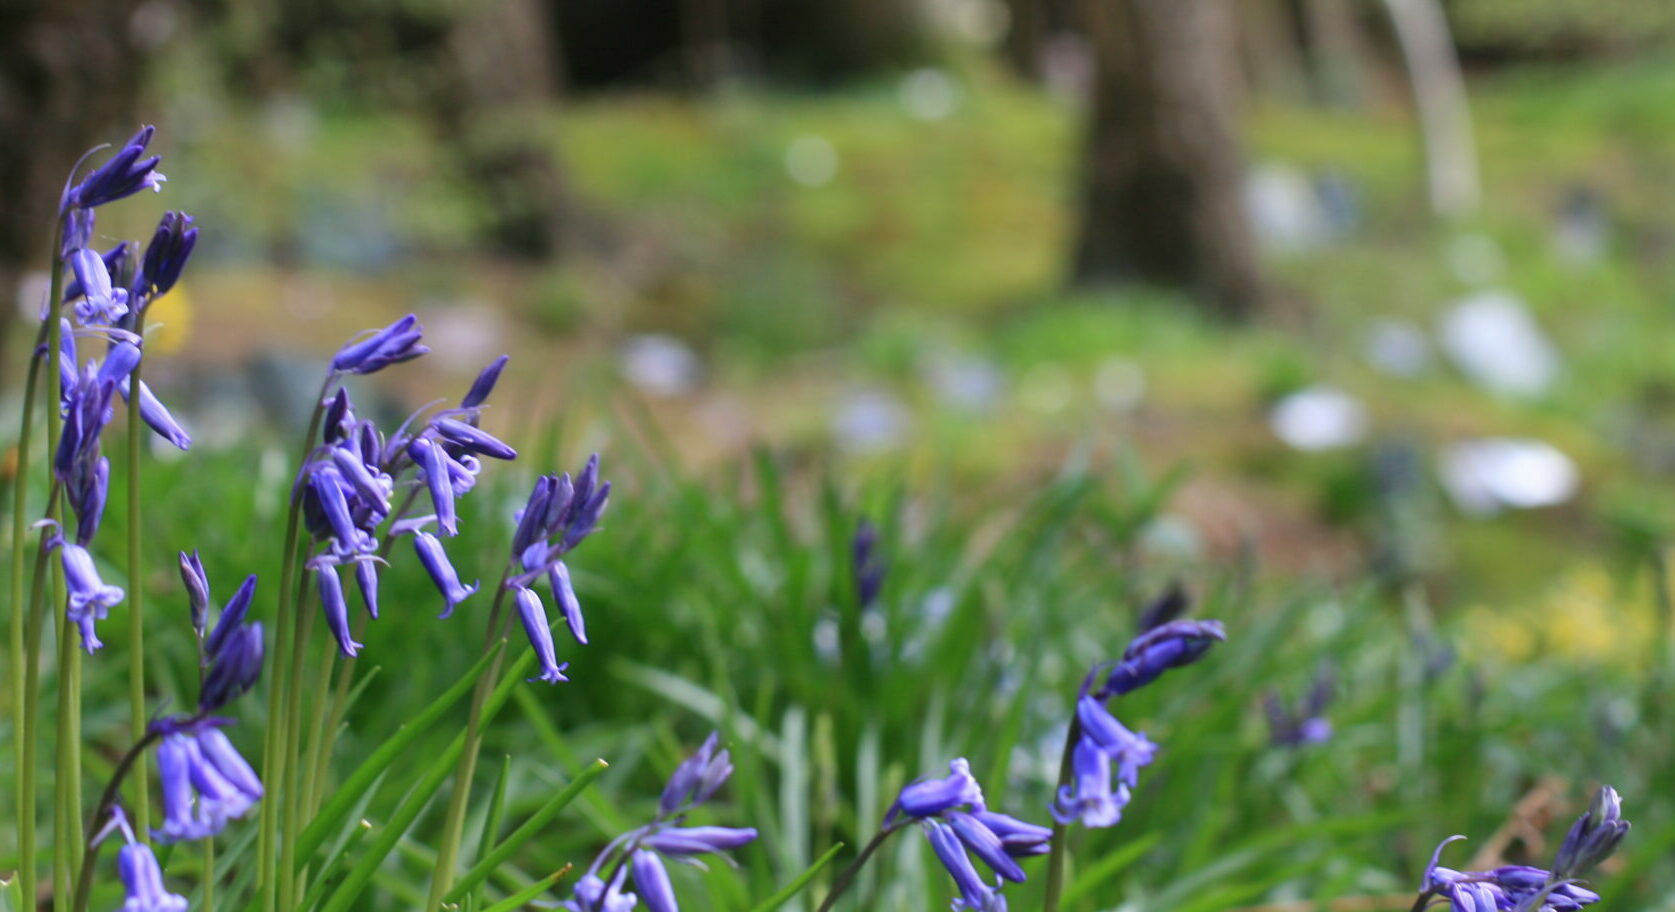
435, 560
337, 611
652, 880
535, 625
558, 575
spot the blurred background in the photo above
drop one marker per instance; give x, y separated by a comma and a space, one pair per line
1360, 304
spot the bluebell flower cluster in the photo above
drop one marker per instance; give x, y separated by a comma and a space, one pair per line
957, 820
1523, 888
349, 483
1306, 723
142, 878
641, 853
559, 513
1104, 748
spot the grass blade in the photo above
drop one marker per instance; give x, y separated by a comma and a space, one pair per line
802, 880
527, 830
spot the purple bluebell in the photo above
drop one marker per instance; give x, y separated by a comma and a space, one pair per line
652, 880
192, 576
393, 344
1159, 649
484, 384
1522, 887
1020, 838
337, 611
102, 304
366, 580
472, 439
373, 487
985, 844
1128, 750
435, 560
1306, 723
594, 895
335, 425
867, 564
235, 669
535, 625
126, 173
348, 539
555, 518
1089, 797
78, 231
1170, 604
930, 797
205, 782
974, 892
232, 616
87, 492
156, 416
117, 262
644, 849
558, 576
1593, 837
166, 255
90, 598
142, 881
433, 468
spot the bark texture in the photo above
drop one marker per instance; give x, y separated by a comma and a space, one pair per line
1162, 200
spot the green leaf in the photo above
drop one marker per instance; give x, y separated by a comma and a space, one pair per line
1108, 867
337, 809
517, 900
527, 830
332, 873
802, 880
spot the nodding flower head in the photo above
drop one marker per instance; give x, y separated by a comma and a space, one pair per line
166, 255
1510, 887
393, 344
697, 777
235, 668
974, 892
205, 782
1594, 836
126, 173
142, 881
930, 797
1159, 649
197, 591
90, 598
956, 821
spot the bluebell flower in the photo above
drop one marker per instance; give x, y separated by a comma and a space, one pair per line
1105, 743
442, 573
1593, 837
1516, 887
102, 304
366, 580
90, 598
974, 892
473, 439
393, 344
535, 625
88, 490
205, 781
1170, 604
484, 384
125, 174
156, 416
957, 820
1159, 649
165, 257
235, 669
558, 514
142, 878
117, 260
644, 849
192, 576
335, 608
348, 539
232, 617
434, 472
1307, 723
930, 797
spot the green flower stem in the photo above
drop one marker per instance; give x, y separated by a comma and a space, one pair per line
847, 879
107, 800
274, 757
23, 711
453, 828
1055, 856
290, 791
31, 702
140, 803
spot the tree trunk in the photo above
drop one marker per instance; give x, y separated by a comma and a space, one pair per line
1164, 173
68, 78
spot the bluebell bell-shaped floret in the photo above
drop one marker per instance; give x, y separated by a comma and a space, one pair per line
142, 882
473, 439
235, 669
101, 303
116, 260
87, 492
126, 173
336, 424
930, 797
484, 384
594, 895
699, 840
585, 515
985, 844
974, 892
366, 580
232, 615
558, 576
335, 608
463, 469
1089, 796
156, 415
165, 257
78, 232
1128, 750
372, 486
192, 576
1157, 650
867, 564
90, 598
442, 573
652, 880
535, 624
393, 344
205, 782
433, 470
686, 782
557, 511
1593, 837
327, 488
531, 518
1020, 838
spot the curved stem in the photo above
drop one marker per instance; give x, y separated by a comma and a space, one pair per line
107, 800
141, 803
1055, 857
1423, 900
847, 878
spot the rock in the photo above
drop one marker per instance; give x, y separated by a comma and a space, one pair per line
1318, 418
1494, 341
1487, 475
